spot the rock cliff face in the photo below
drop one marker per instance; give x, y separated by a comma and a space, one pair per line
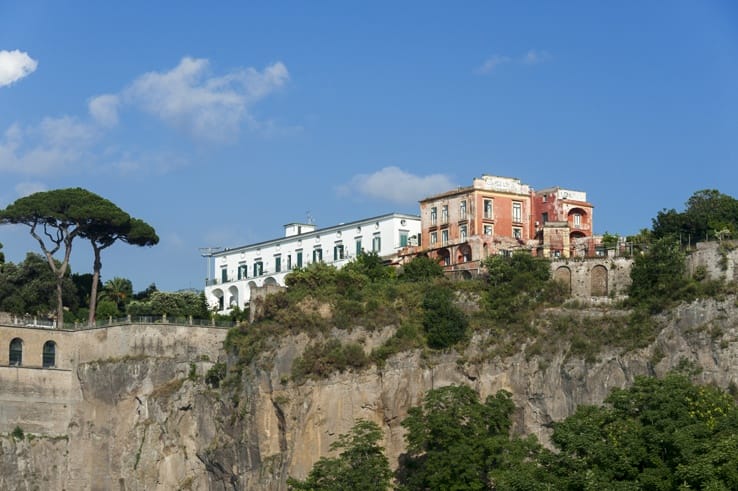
152, 423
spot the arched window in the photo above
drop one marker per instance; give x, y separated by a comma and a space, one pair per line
49, 357
16, 352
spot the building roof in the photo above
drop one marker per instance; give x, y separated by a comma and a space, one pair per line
318, 231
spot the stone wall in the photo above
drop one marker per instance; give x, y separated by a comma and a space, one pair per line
594, 277
43, 399
717, 258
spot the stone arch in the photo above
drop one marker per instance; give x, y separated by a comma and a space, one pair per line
220, 297
270, 281
16, 352
48, 357
444, 257
464, 253
598, 281
232, 296
563, 276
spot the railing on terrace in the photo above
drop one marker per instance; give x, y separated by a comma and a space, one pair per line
163, 320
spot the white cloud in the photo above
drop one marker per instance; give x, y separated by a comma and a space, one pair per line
29, 187
188, 97
533, 57
208, 107
14, 65
143, 163
51, 147
491, 63
104, 109
395, 185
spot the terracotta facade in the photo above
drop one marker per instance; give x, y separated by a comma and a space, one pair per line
498, 215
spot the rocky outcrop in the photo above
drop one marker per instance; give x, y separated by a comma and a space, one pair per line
152, 423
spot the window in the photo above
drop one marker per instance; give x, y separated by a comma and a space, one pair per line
258, 268
16, 352
403, 238
517, 232
462, 232
338, 252
289, 262
49, 354
577, 220
277, 264
358, 246
544, 217
434, 215
488, 230
462, 210
224, 274
376, 243
517, 212
444, 214
488, 209
444, 237
299, 259
317, 255
242, 271
433, 238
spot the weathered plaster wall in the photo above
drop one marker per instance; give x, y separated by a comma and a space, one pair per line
585, 280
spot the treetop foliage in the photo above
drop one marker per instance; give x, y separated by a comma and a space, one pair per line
708, 213
57, 217
361, 465
517, 284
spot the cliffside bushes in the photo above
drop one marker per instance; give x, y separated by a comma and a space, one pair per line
658, 434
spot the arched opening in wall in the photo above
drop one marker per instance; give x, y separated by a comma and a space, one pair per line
444, 257
598, 279
563, 276
466, 275
218, 294
577, 219
464, 254
270, 281
252, 285
233, 296
49, 355
16, 352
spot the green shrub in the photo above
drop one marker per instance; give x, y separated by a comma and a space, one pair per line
321, 359
215, 375
18, 433
444, 323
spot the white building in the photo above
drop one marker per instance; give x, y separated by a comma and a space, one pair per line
237, 270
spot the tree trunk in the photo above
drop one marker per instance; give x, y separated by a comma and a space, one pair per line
96, 267
59, 302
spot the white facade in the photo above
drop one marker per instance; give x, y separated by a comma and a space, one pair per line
237, 269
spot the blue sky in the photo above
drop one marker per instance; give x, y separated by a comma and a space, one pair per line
219, 123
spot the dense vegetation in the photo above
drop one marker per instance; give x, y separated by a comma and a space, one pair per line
427, 310
659, 434
29, 289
